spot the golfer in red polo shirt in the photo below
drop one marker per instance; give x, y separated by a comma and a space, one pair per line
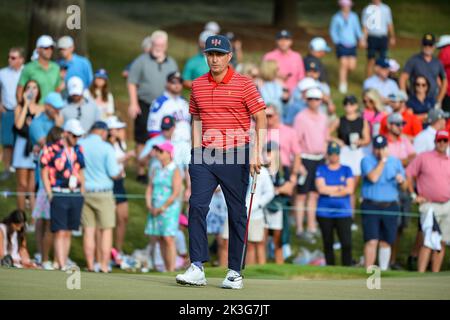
222, 104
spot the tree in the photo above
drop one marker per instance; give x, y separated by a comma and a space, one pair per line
285, 13
58, 18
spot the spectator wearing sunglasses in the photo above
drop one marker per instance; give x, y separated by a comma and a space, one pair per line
412, 125
78, 107
401, 148
424, 63
44, 71
9, 77
420, 102
311, 126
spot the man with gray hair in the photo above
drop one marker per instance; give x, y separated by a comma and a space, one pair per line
146, 82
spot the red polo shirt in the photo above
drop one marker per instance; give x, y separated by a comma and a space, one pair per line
412, 127
225, 108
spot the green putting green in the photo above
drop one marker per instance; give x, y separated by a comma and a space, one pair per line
37, 284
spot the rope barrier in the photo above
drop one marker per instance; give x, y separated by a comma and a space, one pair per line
6, 193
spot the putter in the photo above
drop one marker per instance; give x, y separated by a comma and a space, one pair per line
252, 193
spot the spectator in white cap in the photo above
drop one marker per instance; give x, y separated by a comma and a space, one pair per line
76, 65
196, 66
297, 101
78, 106
117, 139
318, 48
62, 165
213, 27
44, 71
312, 130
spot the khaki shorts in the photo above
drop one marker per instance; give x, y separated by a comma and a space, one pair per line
256, 230
442, 214
99, 210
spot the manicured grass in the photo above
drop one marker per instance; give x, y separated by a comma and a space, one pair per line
35, 284
115, 31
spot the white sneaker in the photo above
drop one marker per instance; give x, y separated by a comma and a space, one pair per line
233, 280
343, 88
48, 265
77, 233
193, 276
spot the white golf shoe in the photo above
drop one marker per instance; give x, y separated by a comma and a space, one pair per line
233, 280
194, 276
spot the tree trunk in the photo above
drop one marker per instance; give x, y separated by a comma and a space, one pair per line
58, 18
285, 13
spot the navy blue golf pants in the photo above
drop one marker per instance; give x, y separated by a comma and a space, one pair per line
233, 179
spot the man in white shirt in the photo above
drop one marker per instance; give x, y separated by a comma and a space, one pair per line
425, 141
9, 78
170, 103
381, 82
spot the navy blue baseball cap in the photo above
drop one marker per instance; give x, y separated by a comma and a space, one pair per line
283, 34
100, 125
101, 73
168, 122
379, 142
383, 63
333, 148
218, 43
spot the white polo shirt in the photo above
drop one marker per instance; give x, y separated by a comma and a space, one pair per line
9, 78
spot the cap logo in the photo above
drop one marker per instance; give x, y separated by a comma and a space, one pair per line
429, 37
216, 42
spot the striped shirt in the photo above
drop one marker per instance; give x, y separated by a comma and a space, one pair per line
225, 108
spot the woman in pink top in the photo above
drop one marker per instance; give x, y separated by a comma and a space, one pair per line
373, 110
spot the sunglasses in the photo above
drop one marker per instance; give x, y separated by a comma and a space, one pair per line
398, 124
47, 48
175, 82
442, 140
74, 136
313, 99
421, 84
269, 115
367, 101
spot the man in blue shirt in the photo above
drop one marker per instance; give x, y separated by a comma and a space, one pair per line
42, 124
382, 174
99, 204
76, 65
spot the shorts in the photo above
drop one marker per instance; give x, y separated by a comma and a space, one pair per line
377, 45
215, 222
442, 214
65, 211
342, 51
21, 160
140, 123
256, 230
99, 210
310, 182
120, 194
41, 208
381, 226
7, 121
352, 158
274, 220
